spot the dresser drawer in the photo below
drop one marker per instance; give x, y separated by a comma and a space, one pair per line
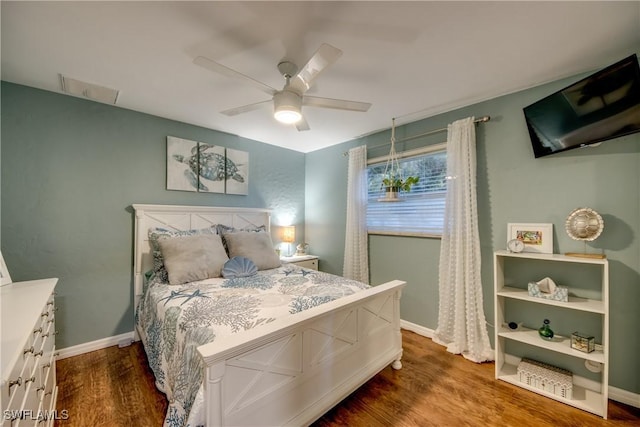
31, 402
47, 389
14, 390
48, 341
310, 263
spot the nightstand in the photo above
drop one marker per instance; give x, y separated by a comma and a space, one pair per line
306, 261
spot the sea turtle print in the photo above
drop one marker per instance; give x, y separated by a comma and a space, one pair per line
208, 165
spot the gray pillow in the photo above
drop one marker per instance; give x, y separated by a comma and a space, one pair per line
226, 229
158, 233
258, 247
192, 258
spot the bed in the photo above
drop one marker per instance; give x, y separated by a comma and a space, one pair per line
288, 345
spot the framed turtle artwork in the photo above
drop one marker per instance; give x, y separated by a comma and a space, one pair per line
211, 168
195, 166
237, 172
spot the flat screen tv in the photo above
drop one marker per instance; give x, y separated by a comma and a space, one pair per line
603, 106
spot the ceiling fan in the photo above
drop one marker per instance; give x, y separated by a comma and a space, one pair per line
288, 102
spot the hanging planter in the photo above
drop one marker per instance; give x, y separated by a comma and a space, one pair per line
391, 193
393, 180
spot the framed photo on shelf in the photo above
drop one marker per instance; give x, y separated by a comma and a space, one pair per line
5, 278
536, 237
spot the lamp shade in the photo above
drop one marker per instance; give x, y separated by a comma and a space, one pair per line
289, 234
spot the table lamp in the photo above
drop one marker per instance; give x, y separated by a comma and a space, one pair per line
289, 236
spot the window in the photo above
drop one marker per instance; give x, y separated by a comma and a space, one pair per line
421, 210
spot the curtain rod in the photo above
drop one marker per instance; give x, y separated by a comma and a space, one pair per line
420, 135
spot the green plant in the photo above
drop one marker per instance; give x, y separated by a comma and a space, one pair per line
402, 184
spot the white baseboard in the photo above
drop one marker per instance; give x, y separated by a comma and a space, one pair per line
94, 345
624, 396
617, 394
87, 347
420, 330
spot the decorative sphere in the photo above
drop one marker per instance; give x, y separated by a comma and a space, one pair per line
584, 224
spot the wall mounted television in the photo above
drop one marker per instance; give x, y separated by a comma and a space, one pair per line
600, 107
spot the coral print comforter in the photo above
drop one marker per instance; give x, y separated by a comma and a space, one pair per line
174, 320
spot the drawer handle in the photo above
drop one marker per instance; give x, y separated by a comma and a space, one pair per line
48, 393
17, 382
45, 314
28, 350
35, 331
50, 303
45, 335
39, 389
28, 380
51, 320
40, 353
48, 365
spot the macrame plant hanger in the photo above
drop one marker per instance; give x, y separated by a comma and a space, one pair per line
392, 170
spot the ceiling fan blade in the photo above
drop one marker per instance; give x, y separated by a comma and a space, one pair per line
246, 108
321, 59
226, 71
302, 125
336, 104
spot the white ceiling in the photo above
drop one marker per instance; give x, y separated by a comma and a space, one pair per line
409, 59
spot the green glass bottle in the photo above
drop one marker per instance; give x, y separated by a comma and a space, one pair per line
545, 331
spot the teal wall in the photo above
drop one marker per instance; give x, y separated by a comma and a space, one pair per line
71, 169
513, 186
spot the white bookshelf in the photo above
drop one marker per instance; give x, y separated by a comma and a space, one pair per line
587, 395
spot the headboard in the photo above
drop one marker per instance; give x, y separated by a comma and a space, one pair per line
175, 217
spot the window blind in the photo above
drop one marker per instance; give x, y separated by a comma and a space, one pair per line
421, 210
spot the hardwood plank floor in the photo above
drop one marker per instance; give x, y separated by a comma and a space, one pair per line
115, 387
110, 387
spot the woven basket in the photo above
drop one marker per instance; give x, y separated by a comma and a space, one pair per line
545, 377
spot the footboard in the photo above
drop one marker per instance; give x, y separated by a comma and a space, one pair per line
292, 373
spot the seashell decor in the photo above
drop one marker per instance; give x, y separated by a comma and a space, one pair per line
239, 266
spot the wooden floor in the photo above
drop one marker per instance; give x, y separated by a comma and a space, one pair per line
114, 387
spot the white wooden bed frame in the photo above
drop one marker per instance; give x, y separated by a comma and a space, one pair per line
290, 371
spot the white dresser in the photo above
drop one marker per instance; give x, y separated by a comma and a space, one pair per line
28, 383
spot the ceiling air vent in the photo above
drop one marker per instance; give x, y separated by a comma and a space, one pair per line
88, 90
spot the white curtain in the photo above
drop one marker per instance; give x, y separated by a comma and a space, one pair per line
461, 322
356, 256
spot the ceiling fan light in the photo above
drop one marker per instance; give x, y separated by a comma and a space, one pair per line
287, 107
287, 116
